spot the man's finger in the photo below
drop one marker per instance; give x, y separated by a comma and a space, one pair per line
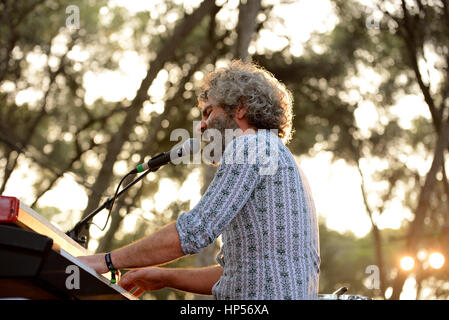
128, 286
138, 292
127, 281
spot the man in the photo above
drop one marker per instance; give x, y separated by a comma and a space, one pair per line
262, 209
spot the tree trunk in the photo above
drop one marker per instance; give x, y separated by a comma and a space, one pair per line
375, 233
165, 54
423, 203
147, 148
245, 28
408, 33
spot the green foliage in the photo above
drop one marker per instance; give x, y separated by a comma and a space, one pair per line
48, 212
345, 259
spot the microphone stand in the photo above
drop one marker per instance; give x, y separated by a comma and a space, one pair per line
74, 233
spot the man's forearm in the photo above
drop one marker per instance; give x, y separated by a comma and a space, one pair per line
197, 280
158, 248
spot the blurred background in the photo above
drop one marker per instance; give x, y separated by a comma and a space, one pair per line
89, 89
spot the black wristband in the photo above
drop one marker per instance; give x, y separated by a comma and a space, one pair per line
109, 264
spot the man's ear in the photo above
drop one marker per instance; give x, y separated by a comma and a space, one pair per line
241, 110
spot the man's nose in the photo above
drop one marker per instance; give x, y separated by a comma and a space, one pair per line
201, 127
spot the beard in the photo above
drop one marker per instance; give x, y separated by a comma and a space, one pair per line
220, 123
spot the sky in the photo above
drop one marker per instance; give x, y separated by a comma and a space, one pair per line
335, 185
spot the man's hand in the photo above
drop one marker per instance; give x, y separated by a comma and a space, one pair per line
195, 280
96, 262
146, 279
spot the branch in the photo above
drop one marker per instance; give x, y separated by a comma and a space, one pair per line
207, 51
43, 108
67, 168
165, 54
445, 181
446, 13
13, 36
423, 202
410, 42
408, 36
25, 140
102, 119
375, 229
245, 27
45, 163
26, 12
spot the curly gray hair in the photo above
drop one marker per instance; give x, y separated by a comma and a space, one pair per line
242, 84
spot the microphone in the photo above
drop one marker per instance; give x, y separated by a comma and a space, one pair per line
189, 147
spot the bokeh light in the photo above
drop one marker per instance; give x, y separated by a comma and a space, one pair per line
407, 263
436, 260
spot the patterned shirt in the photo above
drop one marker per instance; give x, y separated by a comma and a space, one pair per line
266, 216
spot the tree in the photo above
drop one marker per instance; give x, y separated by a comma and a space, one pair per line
321, 86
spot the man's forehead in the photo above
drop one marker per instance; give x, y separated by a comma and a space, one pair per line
204, 104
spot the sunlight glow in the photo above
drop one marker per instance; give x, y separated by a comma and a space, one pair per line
388, 292
116, 85
436, 260
20, 184
65, 189
191, 188
167, 193
336, 192
409, 289
407, 263
409, 108
366, 117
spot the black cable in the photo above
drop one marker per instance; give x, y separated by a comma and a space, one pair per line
108, 204
113, 200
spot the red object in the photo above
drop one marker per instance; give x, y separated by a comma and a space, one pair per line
9, 209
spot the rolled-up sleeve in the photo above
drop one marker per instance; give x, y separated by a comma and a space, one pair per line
225, 197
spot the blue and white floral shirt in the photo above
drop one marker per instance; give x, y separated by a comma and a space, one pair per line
266, 216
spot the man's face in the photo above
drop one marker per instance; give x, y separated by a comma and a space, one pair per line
214, 117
